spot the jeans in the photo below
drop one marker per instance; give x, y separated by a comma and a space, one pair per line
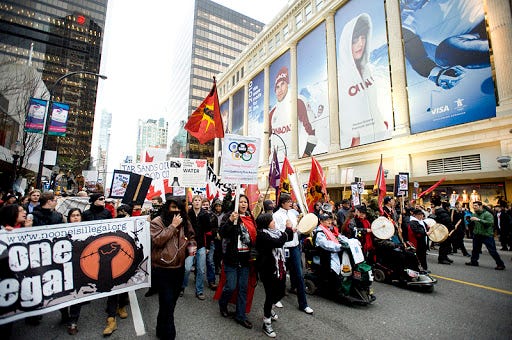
294, 267
210, 265
235, 276
71, 313
200, 258
478, 240
168, 282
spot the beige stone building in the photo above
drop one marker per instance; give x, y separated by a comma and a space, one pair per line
472, 155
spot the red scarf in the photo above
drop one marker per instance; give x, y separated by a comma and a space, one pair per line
330, 236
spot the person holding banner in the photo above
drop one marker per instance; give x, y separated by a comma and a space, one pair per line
238, 232
283, 219
172, 235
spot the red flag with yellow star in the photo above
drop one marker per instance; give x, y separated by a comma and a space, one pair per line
284, 181
205, 123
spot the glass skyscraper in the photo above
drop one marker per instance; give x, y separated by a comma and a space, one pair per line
58, 37
210, 43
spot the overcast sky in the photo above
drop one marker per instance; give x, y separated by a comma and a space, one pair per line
137, 49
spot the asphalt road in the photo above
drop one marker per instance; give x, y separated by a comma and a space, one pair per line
467, 303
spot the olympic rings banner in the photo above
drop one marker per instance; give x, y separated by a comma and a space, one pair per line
50, 267
240, 157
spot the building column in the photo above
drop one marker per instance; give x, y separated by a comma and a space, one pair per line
292, 90
397, 62
245, 128
332, 79
265, 143
500, 31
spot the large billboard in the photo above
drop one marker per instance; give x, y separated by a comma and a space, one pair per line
280, 105
448, 67
224, 113
238, 112
313, 99
364, 85
255, 113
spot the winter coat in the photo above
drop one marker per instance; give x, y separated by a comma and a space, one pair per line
96, 212
43, 216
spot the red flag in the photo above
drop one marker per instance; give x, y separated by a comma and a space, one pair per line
149, 159
317, 185
284, 181
205, 123
380, 185
252, 191
429, 190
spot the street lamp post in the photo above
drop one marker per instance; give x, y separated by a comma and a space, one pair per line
47, 120
281, 138
15, 156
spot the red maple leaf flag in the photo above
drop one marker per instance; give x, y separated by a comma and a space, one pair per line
149, 159
317, 185
205, 123
380, 186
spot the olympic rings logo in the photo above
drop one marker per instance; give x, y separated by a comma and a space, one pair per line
242, 151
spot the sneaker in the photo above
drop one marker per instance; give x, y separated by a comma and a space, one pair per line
268, 330
474, 264
278, 304
273, 315
500, 268
72, 329
308, 310
200, 296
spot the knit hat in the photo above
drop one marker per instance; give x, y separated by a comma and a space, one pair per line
94, 197
282, 74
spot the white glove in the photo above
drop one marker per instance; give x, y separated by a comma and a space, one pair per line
447, 78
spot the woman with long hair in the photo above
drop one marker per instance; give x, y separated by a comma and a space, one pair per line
12, 216
238, 232
171, 235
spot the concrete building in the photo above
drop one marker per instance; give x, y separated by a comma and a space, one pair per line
448, 122
57, 38
211, 42
151, 133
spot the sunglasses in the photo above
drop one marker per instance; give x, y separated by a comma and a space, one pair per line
101, 199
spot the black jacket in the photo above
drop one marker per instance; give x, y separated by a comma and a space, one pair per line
44, 216
265, 244
201, 224
230, 233
443, 217
96, 212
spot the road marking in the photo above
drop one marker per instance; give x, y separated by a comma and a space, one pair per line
138, 323
474, 284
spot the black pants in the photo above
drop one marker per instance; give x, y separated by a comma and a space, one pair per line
114, 301
168, 282
444, 249
71, 313
274, 291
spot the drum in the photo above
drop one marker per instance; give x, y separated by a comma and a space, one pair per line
382, 228
429, 222
439, 233
307, 224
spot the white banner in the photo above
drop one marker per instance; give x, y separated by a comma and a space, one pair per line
50, 267
240, 156
176, 172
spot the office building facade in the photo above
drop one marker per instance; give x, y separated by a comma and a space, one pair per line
151, 133
382, 78
211, 42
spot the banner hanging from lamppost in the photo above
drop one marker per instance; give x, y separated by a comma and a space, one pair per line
35, 116
58, 119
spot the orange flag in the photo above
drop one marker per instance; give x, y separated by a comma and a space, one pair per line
252, 191
284, 181
317, 185
205, 123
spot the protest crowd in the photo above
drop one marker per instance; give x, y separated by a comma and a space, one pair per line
229, 244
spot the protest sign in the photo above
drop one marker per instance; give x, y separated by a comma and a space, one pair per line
50, 267
240, 157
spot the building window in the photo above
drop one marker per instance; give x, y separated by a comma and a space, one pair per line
298, 20
242, 72
286, 31
319, 4
308, 12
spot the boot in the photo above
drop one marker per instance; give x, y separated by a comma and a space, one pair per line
111, 326
122, 312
